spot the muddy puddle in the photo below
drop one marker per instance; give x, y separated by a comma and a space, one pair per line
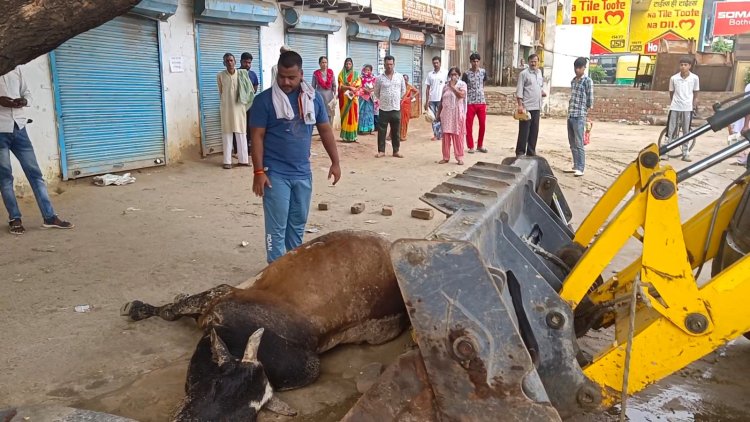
151, 397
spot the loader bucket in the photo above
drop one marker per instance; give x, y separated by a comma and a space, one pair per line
481, 291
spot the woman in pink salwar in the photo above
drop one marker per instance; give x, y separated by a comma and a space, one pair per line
452, 116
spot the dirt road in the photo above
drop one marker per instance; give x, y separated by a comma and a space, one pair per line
179, 229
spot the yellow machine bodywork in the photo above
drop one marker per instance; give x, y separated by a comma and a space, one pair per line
676, 320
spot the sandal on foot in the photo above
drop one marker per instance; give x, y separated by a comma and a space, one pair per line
398, 155
380, 155
442, 161
460, 163
16, 227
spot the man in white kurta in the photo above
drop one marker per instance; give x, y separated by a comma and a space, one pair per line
233, 117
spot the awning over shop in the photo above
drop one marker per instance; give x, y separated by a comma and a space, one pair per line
367, 31
524, 11
248, 12
306, 21
404, 36
157, 9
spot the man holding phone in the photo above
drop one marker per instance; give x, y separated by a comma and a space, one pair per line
14, 97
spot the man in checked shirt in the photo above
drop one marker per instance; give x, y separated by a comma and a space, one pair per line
581, 101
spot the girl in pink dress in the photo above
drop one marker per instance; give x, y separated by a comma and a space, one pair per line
452, 116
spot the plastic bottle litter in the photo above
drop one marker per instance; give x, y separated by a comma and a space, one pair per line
82, 308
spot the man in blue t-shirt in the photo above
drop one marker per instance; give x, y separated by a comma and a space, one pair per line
246, 61
281, 134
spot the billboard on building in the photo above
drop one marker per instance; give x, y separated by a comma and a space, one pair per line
665, 19
731, 18
610, 20
390, 8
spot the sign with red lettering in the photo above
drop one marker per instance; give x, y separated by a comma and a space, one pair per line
731, 18
610, 20
668, 19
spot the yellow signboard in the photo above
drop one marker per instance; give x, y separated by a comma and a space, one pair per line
610, 19
665, 19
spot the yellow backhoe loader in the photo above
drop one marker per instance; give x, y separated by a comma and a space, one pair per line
501, 292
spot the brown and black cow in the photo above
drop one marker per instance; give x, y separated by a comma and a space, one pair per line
338, 288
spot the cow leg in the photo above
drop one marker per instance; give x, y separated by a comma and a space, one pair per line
191, 306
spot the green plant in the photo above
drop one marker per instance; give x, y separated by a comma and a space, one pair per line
747, 76
597, 74
720, 45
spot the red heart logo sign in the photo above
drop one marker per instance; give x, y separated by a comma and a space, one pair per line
686, 22
614, 17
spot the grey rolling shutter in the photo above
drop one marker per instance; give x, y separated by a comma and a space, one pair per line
213, 40
310, 47
404, 55
362, 53
110, 112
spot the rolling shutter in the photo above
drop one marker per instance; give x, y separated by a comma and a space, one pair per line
404, 55
213, 41
310, 47
110, 112
362, 53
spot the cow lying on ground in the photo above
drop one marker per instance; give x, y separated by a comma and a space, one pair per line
336, 289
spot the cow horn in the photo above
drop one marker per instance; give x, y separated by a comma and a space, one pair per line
251, 350
278, 406
219, 350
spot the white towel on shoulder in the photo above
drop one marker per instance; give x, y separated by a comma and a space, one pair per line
283, 108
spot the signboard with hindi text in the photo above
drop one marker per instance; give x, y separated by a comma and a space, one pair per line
665, 19
422, 12
610, 20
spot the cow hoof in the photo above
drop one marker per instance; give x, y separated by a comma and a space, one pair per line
136, 310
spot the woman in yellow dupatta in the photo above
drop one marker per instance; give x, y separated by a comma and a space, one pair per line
349, 84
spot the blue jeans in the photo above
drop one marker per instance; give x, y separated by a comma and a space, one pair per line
436, 132
19, 144
576, 126
285, 208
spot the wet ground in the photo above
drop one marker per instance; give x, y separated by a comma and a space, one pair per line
178, 229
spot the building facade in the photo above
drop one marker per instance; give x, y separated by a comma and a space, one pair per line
501, 31
140, 90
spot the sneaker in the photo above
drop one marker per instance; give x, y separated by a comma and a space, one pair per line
686, 158
484, 150
16, 227
571, 170
470, 151
56, 223
578, 173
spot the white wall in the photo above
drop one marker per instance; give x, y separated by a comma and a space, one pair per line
271, 39
43, 131
177, 38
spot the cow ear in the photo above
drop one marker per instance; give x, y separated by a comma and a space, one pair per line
251, 351
219, 350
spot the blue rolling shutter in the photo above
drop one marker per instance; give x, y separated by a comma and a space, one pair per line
213, 41
404, 55
110, 112
310, 47
362, 53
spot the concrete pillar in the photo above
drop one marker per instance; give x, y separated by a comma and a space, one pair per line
508, 29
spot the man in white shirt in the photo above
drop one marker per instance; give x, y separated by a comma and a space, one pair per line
434, 84
683, 91
390, 87
14, 97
